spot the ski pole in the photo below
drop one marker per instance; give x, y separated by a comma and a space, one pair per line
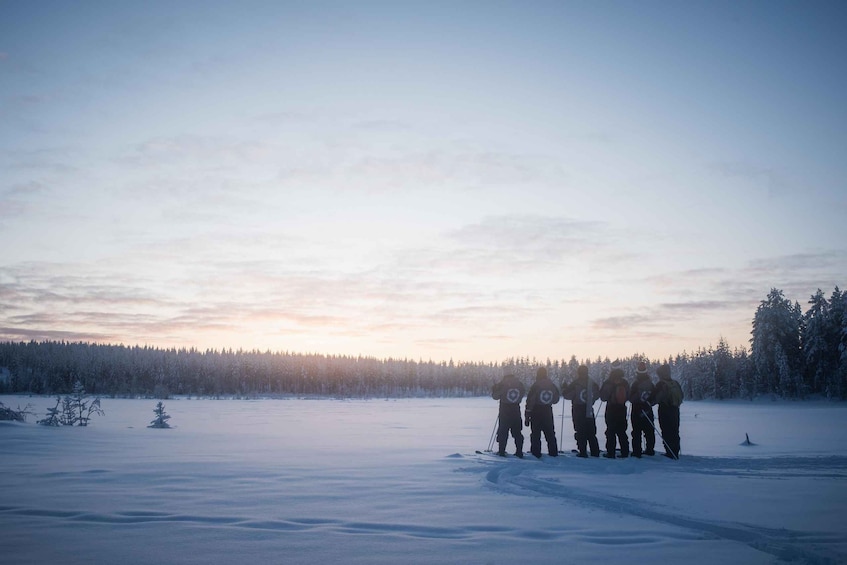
493, 432
646, 417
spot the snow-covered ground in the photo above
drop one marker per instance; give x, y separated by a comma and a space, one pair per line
398, 481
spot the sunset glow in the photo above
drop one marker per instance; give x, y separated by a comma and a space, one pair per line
436, 180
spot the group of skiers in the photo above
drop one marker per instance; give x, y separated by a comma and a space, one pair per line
583, 392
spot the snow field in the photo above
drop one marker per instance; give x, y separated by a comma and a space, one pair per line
391, 481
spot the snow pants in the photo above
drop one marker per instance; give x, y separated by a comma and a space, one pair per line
643, 426
669, 424
616, 429
510, 421
542, 421
586, 431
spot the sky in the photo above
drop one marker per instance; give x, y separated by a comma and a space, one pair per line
437, 180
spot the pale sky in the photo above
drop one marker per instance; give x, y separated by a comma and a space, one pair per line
436, 180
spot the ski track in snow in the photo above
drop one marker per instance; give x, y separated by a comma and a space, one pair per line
323, 526
519, 477
531, 477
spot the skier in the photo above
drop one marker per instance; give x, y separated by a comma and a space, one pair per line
668, 395
615, 392
542, 395
582, 392
641, 399
509, 391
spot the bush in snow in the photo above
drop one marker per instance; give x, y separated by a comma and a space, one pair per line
76, 409
161, 420
18, 415
53, 417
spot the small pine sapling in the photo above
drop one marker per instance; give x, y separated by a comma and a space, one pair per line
53, 418
161, 420
68, 417
77, 409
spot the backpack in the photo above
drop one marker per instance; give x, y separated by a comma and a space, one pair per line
674, 397
620, 393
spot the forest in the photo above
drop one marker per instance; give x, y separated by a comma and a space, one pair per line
793, 354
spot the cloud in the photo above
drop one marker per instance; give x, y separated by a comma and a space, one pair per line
775, 181
25, 189
205, 152
514, 244
542, 236
52, 160
23, 334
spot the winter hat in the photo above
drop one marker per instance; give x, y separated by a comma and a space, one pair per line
582, 371
664, 371
617, 371
641, 369
541, 373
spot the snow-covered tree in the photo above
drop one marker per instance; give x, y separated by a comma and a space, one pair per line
53, 417
821, 337
77, 408
18, 415
161, 419
744, 374
838, 314
724, 371
775, 346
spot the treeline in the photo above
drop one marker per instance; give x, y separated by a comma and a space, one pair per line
793, 355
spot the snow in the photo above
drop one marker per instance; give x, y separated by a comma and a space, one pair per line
398, 481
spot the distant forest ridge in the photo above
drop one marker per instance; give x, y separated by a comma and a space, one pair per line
794, 354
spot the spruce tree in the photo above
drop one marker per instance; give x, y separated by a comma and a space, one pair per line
161, 419
775, 346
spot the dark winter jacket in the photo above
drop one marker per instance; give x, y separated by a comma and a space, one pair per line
641, 394
509, 391
542, 395
582, 392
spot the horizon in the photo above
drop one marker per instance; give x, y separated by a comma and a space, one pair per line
436, 180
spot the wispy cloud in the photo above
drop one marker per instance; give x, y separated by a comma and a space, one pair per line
773, 180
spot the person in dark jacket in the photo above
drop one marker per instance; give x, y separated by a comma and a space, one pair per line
641, 399
668, 395
509, 391
615, 392
543, 394
582, 392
